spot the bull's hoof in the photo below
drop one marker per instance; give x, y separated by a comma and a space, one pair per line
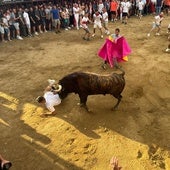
85, 107
104, 66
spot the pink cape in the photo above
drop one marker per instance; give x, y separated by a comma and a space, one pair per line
118, 49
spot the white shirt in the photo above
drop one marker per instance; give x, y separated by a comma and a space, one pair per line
158, 19
105, 17
51, 100
48, 13
5, 21
125, 6
97, 18
26, 17
100, 7
76, 10
84, 22
141, 5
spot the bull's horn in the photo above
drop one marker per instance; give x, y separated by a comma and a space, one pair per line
58, 88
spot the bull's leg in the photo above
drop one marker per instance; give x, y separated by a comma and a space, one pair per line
83, 100
119, 100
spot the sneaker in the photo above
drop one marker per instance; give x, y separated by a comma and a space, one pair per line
66, 29
69, 28
19, 37
101, 36
93, 35
167, 50
104, 66
36, 33
157, 34
29, 35
148, 34
41, 32
108, 32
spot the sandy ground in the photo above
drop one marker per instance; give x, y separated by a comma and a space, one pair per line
138, 133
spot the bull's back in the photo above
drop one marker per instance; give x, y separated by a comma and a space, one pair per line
99, 84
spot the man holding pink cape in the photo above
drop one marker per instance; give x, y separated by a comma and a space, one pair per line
115, 49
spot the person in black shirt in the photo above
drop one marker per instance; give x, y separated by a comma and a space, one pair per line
33, 20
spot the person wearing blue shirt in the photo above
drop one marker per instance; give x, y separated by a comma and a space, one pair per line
55, 15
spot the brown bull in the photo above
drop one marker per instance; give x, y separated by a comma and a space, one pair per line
85, 84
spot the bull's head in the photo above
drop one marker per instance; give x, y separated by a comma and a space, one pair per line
62, 92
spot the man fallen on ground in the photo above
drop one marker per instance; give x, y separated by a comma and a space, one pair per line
51, 97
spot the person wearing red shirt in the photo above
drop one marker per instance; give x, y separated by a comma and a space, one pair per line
113, 10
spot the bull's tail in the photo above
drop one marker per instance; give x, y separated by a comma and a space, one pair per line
120, 68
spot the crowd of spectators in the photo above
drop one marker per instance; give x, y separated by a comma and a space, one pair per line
22, 20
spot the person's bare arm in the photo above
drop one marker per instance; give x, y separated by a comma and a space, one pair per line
48, 88
3, 161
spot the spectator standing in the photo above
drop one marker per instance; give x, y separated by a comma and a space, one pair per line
27, 21
11, 26
33, 21
48, 17
107, 6
43, 18
76, 12
141, 6
95, 6
6, 26
71, 16
55, 16
38, 19
81, 13
15, 22
113, 10
2, 32
90, 11
22, 25
100, 6
148, 4
65, 18
125, 10
159, 4
97, 23
105, 21
167, 6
